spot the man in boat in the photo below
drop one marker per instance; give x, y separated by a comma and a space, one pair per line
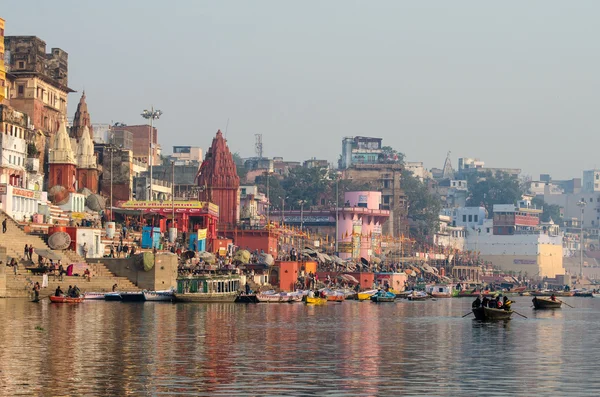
70, 291
58, 291
553, 297
36, 291
477, 303
485, 302
311, 294
247, 289
506, 303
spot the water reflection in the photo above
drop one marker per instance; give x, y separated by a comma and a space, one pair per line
348, 349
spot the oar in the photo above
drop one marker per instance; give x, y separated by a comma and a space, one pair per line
467, 314
516, 312
566, 303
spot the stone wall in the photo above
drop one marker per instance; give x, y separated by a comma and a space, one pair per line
162, 276
3, 268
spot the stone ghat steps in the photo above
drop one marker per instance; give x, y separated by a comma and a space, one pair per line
21, 285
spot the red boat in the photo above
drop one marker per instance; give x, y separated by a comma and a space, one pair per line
66, 299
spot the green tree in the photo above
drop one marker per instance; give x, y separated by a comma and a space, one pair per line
423, 206
391, 155
551, 211
242, 172
489, 189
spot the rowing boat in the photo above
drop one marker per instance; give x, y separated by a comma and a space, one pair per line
490, 314
66, 299
315, 301
365, 295
545, 303
383, 296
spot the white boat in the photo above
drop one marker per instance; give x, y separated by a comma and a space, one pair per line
418, 296
272, 297
94, 295
439, 291
159, 296
596, 294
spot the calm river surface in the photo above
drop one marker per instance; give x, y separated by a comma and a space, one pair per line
342, 349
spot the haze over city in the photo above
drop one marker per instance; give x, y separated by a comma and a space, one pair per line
513, 84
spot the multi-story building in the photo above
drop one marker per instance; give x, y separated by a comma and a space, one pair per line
142, 136
122, 139
361, 150
591, 181
468, 165
14, 134
315, 163
515, 241
3, 82
187, 154
253, 205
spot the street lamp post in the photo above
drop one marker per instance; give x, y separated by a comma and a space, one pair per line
337, 204
151, 115
302, 202
283, 209
581, 204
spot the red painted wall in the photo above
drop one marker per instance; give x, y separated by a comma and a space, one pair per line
262, 241
88, 178
63, 175
288, 275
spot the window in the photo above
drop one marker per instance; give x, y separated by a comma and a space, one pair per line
476, 218
21, 64
487, 230
591, 200
464, 218
20, 90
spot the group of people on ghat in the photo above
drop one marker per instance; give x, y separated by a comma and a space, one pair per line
72, 292
492, 303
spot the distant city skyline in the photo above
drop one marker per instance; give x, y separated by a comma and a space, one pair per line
514, 84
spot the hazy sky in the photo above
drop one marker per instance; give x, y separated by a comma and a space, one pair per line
513, 83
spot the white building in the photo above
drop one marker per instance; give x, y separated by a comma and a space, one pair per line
571, 209
417, 169
187, 154
469, 217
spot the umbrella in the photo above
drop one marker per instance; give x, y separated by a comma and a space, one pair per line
364, 261
242, 256
350, 278
47, 254
267, 259
206, 256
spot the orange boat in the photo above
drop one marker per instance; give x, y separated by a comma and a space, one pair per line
336, 298
66, 299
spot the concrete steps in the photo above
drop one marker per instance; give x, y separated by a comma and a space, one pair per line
21, 285
58, 216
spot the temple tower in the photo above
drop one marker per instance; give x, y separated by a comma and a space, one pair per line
81, 120
62, 167
219, 182
87, 172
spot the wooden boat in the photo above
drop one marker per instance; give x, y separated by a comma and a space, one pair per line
94, 295
383, 296
272, 297
219, 288
112, 296
489, 314
550, 293
315, 301
334, 296
595, 295
246, 298
475, 294
439, 291
583, 294
66, 299
545, 303
132, 296
365, 295
159, 296
418, 296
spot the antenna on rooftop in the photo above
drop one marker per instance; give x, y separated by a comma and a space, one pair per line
258, 146
226, 128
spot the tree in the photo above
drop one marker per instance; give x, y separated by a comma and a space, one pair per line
423, 206
551, 211
391, 155
242, 172
489, 189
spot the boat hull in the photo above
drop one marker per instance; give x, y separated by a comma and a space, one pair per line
545, 304
94, 296
223, 297
132, 296
66, 299
366, 295
246, 298
158, 296
112, 296
315, 301
489, 314
382, 299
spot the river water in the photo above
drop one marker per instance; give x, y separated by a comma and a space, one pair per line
341, 349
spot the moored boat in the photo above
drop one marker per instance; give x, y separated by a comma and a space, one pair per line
159, 296
439, 291
272, 297
218, 288
418, 296
490, 314
365, 295
333, 296
246, 298
94, 295
383, 296
550, 293
66, 299
315, 301
583, 293
132, 296
545, 303
112, 296
475, 294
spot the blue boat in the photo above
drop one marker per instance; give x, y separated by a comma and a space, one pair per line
383, 296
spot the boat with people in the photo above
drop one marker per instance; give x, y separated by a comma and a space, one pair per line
333, 296
208, 288
159, 296
541, 303
66, 299
383, 296
366, 295
483, 313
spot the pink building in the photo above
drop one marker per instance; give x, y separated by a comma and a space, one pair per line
359, 225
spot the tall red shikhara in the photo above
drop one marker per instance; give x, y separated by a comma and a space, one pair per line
218, 180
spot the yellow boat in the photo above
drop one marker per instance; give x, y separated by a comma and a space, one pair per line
366, 295
315, 301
